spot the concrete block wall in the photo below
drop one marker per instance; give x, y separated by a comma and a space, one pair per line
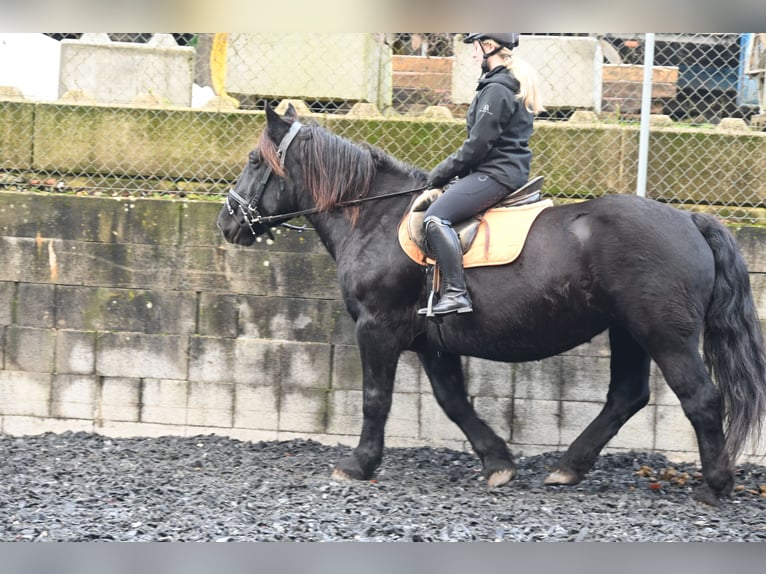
134, 318
352, 66
124, 72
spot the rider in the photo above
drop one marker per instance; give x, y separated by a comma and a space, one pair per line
491, 163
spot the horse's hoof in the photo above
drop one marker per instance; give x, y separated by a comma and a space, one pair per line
501, 477
705, 495
350, 469
338, 474
560, 477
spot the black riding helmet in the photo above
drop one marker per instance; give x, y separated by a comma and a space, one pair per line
506, 39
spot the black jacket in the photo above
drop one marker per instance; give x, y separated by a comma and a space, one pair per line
499, 127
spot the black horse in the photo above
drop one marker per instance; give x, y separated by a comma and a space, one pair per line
654, 276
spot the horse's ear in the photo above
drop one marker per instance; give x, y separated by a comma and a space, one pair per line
275, 125
272, 117
291, 114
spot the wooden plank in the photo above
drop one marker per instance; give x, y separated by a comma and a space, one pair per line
635, 73
437, 82
634, 89
422, 64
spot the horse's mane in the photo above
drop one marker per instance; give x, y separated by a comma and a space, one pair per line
336, 170
385, 162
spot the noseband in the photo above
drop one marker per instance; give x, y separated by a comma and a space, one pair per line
249, 209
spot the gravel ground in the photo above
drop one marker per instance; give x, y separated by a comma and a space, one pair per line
85, 487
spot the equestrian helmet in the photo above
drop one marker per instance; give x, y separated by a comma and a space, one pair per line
506, 39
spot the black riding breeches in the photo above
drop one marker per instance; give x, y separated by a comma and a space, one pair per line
468, 196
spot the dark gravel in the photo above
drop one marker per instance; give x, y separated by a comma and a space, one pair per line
85, 487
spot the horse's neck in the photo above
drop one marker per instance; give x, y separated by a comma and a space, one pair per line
333, 229
378, 220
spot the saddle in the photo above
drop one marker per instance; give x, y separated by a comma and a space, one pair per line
493, 237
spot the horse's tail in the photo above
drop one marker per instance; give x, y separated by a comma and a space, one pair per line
733, 346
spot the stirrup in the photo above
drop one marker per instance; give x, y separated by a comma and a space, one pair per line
428, 309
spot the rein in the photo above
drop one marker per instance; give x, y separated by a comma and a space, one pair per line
340, 205
250, 209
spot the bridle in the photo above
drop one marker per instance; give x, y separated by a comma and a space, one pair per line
250, 209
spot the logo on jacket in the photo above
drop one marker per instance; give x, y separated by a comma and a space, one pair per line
485, 110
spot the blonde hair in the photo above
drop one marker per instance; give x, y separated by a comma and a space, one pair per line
529, 82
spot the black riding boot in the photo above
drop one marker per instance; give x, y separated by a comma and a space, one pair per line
443, 242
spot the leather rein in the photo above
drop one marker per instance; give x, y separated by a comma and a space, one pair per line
250, 209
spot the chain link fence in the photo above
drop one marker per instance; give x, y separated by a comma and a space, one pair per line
191, 96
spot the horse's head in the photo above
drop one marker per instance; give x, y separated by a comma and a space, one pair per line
261, 193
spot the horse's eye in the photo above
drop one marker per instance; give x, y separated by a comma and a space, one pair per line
255, 158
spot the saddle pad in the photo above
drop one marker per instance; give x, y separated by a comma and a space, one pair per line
499, 241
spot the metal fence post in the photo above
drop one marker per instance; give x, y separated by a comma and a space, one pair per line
646, 110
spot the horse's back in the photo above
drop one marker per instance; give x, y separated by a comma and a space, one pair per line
586, 264
624, 229
629, 233
644, 263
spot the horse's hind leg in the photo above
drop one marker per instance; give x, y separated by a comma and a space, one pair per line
628, 393
685, 373
445, 373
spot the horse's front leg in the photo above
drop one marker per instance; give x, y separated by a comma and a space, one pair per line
379, 353
445, 373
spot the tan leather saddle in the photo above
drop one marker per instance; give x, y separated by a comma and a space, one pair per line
494, 237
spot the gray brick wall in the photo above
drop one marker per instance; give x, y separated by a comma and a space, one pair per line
132, 317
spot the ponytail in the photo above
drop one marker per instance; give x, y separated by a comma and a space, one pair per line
529, 90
